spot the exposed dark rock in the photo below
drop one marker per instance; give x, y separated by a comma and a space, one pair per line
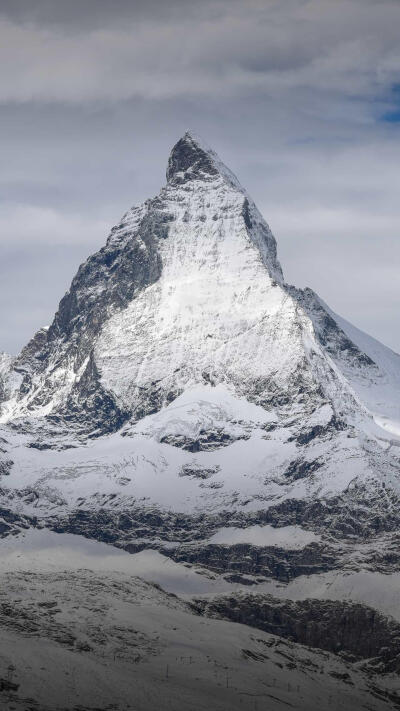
329, 333
360, 513
268, 561
12, 522
335, 626
247, 214
92, 406
197, 472
7, 685
301, 468
5, 466
319, 431
189, 161
107, 281
208, 440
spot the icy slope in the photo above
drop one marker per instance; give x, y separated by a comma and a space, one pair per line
372, 369
380, 389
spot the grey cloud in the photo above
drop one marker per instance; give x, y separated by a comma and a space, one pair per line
83, 14
202, 51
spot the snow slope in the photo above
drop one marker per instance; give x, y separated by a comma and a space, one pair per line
381, 392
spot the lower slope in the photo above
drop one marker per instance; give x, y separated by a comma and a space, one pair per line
100, 638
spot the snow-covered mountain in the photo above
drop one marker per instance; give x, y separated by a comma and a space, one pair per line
181, 337
185, 398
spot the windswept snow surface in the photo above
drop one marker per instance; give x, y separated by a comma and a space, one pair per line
202, 408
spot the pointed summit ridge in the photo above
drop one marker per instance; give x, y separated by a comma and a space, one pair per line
192, 159
189, 159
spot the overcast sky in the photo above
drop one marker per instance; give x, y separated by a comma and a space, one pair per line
301, 98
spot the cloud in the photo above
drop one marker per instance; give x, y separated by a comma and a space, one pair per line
33, 224
81, 14
347, 46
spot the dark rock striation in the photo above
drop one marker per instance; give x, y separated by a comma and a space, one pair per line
336, 626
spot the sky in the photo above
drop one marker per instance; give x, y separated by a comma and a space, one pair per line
301, 99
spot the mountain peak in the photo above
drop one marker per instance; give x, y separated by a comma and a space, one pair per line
190, 159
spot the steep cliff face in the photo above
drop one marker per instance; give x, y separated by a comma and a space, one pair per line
57, 372
354, 630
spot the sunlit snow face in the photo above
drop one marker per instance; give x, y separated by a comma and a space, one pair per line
216, 308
